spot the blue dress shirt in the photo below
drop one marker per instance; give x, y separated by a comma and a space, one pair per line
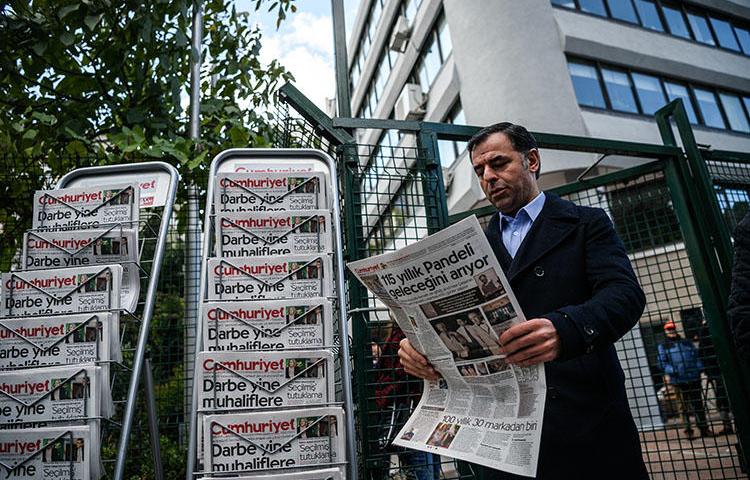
514, 229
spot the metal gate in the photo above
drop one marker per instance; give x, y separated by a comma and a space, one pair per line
674, 213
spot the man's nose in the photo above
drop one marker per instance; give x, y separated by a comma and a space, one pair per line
489, 175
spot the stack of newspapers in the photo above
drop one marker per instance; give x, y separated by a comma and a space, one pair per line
60, 329
265, 376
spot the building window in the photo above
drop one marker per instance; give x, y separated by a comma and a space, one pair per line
649, 15
619, 91
435, 52
637, 92
690, 23
622, 10
735, 112
650, 93
586, 85
450, 150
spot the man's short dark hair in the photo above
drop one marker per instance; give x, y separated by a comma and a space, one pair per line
520, 139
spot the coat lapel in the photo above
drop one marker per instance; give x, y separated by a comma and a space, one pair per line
555, 222
496, 242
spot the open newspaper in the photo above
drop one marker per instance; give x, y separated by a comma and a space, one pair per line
450, 297
269, 278
88, 207
59, 340
65, 290
276, 440
40, 396
283, 324
273, 233
69, 453
80, 248
257, 192
324, 474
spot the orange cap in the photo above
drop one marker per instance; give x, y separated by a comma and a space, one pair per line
669, 326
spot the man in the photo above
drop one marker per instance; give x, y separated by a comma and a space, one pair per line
574, 282
482, 333
489, 288
475, 346
682, 366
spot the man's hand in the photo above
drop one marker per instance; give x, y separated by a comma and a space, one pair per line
530, 342
414, 362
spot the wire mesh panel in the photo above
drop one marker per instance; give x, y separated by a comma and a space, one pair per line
684, 419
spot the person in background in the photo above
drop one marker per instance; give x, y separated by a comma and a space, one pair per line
682, 367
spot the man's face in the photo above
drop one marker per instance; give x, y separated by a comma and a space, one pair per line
506, 178
671, 333
461, 322
483, 279
474, 318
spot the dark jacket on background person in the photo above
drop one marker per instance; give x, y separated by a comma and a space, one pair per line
573, 269
739, 298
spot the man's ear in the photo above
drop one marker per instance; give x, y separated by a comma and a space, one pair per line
534, 160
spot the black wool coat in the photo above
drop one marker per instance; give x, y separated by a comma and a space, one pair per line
573, 269
739, 298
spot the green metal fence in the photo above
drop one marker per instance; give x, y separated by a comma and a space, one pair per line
674, 213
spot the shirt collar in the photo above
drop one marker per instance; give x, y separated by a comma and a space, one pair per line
531, 209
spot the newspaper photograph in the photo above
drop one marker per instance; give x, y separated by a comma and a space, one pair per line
284, 324
269, 278
257, 192
53, 452
89, 207
65, 290
324, 474
80, 248
245, 380
276, 440
41, 396
450, 297
59, 340
296, 232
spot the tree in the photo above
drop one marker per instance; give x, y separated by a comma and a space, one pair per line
101, 82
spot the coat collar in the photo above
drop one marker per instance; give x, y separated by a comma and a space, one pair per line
556, 221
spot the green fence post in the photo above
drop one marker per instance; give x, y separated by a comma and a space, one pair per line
428, 162
709, 247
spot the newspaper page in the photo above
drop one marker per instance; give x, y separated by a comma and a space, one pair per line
276, 440
324, 474
236, 381
296, 232
284, 324
59, 340
243, 380
65, 290
450, 297
41, 396
258, 191
269, 278
79, 248
53, 452
89, 207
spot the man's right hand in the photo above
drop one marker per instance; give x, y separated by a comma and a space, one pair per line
414, 362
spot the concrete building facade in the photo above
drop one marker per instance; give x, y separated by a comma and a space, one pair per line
595, 68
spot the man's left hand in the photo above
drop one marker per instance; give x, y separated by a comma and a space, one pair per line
530, 342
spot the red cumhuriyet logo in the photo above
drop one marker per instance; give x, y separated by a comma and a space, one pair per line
19, 447
254, 182
68, 243
252, 269
42, 331
52, 282
248, 427
271, 222
86, 197
238, 365
244, 314
25, 388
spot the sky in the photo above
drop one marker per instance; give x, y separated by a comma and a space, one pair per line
303, 44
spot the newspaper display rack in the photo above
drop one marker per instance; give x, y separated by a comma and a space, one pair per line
85, 295
271, 394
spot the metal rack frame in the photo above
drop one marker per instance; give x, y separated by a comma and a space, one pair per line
139, 357
293, 155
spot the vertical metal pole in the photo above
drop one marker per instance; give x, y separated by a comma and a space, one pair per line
148, 385
343, 95
193, 250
